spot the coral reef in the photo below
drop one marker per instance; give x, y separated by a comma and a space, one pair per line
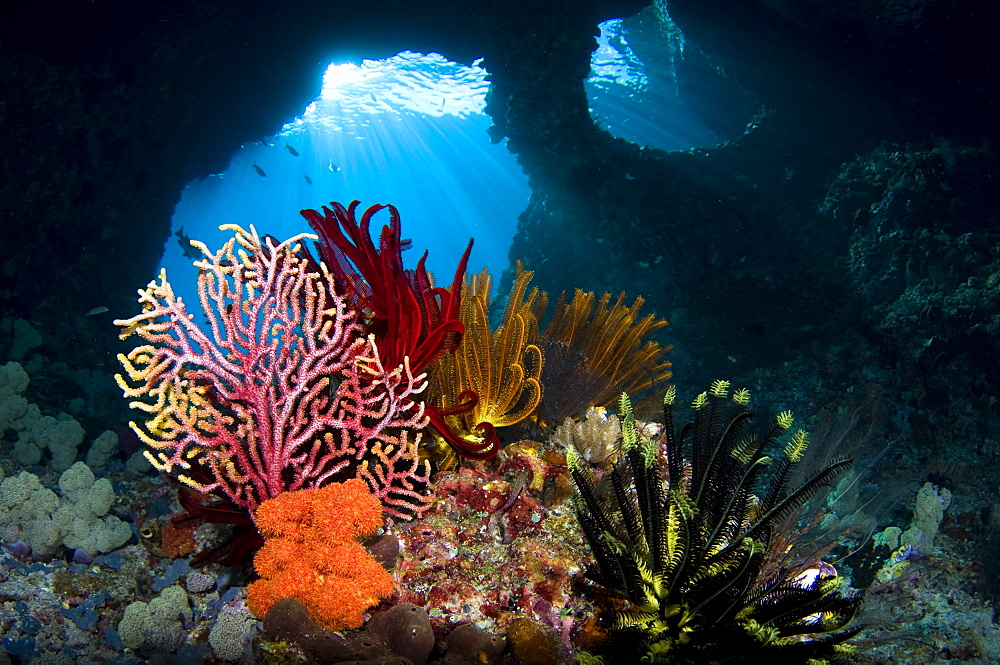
499, 546
893, 283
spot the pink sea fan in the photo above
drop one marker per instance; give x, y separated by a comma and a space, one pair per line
278, 391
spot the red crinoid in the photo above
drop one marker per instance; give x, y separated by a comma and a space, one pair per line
409, 316
217, 508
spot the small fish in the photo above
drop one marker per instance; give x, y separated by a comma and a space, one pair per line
900, 555
259, 170
372, 95
264, 143
100, 309
333, 167
309, 180
442, 104
810, 578
187, 248
515, 490
292, 151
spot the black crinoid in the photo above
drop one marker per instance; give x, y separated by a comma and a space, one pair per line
689, 538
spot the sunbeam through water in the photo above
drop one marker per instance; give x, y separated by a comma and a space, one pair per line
407, 130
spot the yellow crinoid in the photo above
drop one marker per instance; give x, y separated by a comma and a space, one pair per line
493, 379
595, 349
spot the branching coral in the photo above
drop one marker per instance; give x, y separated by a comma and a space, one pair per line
690, 557
497, 371
280, 393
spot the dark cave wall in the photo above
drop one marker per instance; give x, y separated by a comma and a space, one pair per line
931, 62
728, 241
108, 109
871, 163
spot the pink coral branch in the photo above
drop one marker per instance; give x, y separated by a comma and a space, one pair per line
281, 393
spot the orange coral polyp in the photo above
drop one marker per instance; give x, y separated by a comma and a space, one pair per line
341, 513
283, 519
311, 553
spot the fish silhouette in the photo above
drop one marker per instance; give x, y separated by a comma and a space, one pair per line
187, 248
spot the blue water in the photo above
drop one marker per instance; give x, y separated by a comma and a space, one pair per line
410, 131
639, 101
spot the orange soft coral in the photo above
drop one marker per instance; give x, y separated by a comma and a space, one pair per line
312, 554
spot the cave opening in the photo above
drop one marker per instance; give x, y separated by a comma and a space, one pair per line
409, 130
647, 85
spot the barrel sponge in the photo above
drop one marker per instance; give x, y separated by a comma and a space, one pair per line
97, 536
932, 501
30, 513
12, 410
91, 495
61, 434
43, 521
16, 490
132, 625
77, 477
13, 379
97, 499
170, 604
102, 449
90, 528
